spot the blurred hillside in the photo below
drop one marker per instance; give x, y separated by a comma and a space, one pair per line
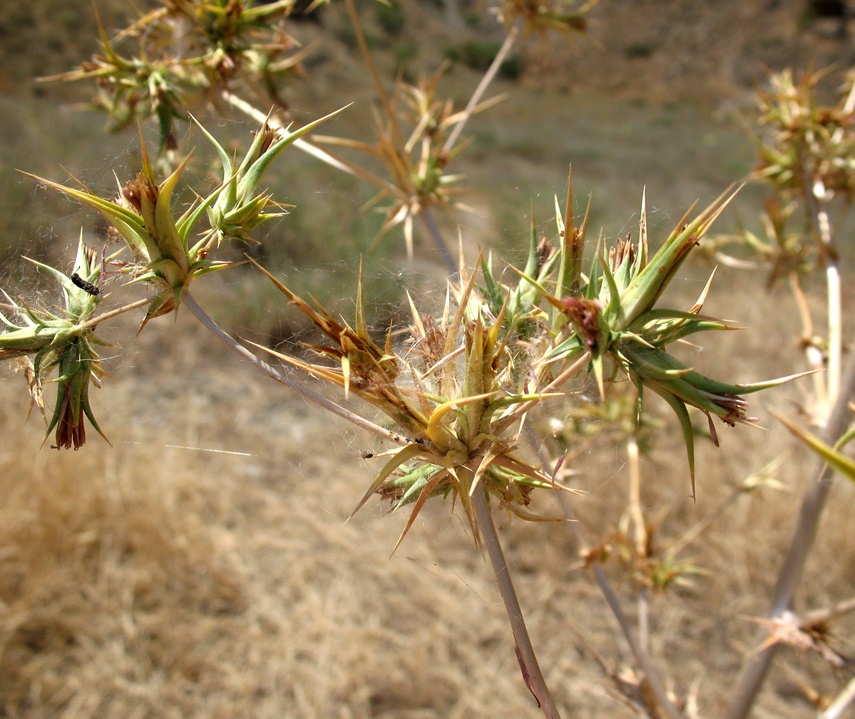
658, 50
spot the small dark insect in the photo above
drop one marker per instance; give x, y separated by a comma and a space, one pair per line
84, 285
367, 455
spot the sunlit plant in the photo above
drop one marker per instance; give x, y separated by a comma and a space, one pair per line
457, 388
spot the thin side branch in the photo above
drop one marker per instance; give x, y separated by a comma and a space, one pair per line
651, 675
95, 321
203, 317
482, 87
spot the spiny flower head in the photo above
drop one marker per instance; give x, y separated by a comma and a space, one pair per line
417, 140
170, 252
802, 141
187, 48
63, 341
454, 394
238, 207
543, 15
613, 315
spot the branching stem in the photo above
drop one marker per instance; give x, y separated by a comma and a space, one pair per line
754, 671
454, 135
651, 675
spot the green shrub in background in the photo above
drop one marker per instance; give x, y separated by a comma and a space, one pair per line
391, 18
480, 54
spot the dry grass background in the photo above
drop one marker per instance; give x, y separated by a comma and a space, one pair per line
148, 580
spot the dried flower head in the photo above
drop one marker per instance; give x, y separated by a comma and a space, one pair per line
455, 395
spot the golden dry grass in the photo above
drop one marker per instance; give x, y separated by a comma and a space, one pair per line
149, 581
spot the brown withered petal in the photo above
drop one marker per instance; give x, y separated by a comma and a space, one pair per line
70, 430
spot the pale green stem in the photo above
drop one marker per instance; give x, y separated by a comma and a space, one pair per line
639, 532
203, 317
835, 323
816, 198
525, 649
754, 670
639, 529
95, 321
835, 329
837, 708
482, 87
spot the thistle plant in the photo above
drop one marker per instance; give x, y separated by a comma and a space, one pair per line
201, 48
187, 50
805, 151
64, 340
457, 394
166, 254
499, 351
459, 391
416, 164
805, 157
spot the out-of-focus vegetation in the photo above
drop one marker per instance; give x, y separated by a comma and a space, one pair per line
199, 567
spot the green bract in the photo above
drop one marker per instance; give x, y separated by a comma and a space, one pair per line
171, 252
238, 207
161, 245
64, 341
613, 315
